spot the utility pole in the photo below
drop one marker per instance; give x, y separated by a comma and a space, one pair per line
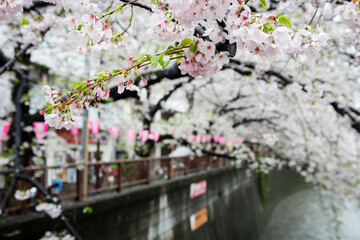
84, 152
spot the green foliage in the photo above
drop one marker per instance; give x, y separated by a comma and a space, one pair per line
110, 99
162, 63
185, 42
25, 98
285, 20
156, 2
268, 27
116, 70
263, 4
24, 21
119, 8
193, 46
76, 83
154, 60
87, 210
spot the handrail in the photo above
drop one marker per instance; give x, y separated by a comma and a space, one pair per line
124, 173
72, 165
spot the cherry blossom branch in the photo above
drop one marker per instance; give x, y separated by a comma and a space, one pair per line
138, 5
117, 9
130, 21
253, 120
7, 66
154, 109
79, 96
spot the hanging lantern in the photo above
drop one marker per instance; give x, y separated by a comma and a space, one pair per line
4, 129
74, 131
144, 135
40, 129
254, 140
114, 132
155, 136
191, 138
222, 140
130, 134
239, 140
94, 126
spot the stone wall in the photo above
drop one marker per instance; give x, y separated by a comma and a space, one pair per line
237, 208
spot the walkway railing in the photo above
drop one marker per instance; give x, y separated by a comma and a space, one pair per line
67, 181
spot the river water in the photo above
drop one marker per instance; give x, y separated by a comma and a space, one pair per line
301, 217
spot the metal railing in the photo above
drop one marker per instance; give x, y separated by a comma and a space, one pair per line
67, 181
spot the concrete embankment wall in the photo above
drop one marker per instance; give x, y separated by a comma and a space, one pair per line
235, 206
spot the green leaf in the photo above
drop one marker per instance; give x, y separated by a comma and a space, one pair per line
88, 210
185, 42
263, 4
80, 26
162, 63
24, 21
178, 60
110, 99
285, 20
154, 60
119, 8
76, 83
193, 46
116, 70
99, 73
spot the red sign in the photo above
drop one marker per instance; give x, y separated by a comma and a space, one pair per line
197, 189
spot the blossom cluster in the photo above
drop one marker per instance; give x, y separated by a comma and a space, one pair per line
57, 236
73, 4
51, 209
189, 12
9, 9
271, 35
166, 30
89, 30
205, 61
350, 13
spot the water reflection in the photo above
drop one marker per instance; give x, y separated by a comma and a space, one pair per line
300, 217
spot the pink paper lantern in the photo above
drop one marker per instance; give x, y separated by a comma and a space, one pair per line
40, 129
144, 135
216, 139
155, 135
94, 126
114, 132
208, 138
130, 134
191, 138
254, 140
239, 140
198, 138
74, 131
4, 129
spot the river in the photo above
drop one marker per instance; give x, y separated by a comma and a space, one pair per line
300, 216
